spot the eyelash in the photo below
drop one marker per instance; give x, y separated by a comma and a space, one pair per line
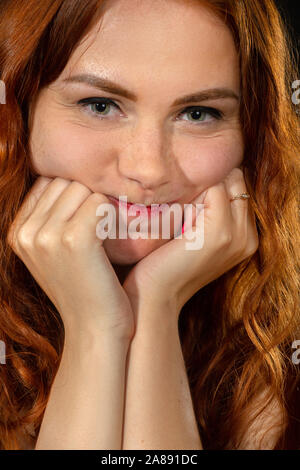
217, 114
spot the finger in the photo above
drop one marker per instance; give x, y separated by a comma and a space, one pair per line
67, 203
28, 205
217, 211
235, 185
81, 227
32, 198
41, 211
252, 233
192, 210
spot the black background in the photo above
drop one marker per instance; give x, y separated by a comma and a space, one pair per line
290, 10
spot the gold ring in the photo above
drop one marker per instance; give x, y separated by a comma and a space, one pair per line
240, 196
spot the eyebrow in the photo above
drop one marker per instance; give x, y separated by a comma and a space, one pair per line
111, 87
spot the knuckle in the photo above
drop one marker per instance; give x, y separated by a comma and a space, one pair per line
44, 239
225, 238
243, 242
69, 239
242, 253
10, 238
253, 246
237, 174
250, 246
24, 237
244, 247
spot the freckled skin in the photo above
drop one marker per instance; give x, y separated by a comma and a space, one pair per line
141, 150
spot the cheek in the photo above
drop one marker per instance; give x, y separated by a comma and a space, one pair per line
207, 162
66, 151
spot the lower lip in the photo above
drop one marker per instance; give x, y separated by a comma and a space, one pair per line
155, 209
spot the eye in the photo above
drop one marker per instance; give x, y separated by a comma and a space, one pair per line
100, 107
198, 113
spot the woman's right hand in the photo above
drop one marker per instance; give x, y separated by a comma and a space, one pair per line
54, 234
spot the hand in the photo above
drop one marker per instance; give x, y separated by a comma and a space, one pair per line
172, 274
54, 234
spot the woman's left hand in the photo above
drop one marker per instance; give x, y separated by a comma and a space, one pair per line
172, 274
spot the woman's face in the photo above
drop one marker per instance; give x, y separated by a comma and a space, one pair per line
146, 144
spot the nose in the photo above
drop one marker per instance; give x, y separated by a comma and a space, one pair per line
146, 158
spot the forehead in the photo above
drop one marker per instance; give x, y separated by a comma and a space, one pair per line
158, 43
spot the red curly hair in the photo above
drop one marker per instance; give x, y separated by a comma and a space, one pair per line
236, 332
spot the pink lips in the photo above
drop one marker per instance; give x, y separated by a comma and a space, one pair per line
138, 207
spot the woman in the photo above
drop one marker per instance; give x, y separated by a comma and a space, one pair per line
143, 344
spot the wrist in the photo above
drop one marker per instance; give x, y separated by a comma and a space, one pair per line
156, 313
93, 339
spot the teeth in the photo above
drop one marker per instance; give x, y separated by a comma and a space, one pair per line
141, 205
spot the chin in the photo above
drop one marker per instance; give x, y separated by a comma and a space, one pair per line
127, 252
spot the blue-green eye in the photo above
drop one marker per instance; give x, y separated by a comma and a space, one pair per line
197, 113
100, 107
